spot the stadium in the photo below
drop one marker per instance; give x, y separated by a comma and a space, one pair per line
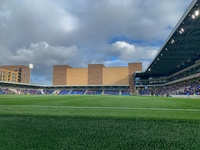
102, 107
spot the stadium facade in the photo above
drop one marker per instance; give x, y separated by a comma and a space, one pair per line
178, 61
8, 75
15, 73
96, 75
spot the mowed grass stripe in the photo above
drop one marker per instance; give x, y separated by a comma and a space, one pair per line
101, 106
90, 107
101, 101
46, 132
102, 113
98, 122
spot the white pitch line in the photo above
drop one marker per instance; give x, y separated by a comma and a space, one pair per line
96, 107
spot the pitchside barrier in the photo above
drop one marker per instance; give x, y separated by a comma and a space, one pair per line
186, 96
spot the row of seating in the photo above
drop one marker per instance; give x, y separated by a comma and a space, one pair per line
190, 87
6, 91
70, 92
95, 92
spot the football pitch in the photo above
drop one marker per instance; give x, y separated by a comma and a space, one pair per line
56, 122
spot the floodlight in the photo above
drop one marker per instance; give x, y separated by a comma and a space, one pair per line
149, 69
181, 30
166, 49
196, 12
193, 16
30, 66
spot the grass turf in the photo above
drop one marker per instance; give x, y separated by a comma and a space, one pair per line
98, 122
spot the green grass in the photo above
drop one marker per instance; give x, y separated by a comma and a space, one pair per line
98, 122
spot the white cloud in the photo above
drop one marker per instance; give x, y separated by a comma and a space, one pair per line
43, 56
5, 14
68, 23
43, 53
116, 62
78, 32
129, 52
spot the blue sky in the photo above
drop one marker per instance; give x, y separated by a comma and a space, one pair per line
81, 32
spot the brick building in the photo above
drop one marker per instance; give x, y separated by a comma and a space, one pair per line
96, 74
8, 75
15, 73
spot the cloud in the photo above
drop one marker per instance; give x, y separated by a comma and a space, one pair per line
136, 19
130, 52
117, 62
35, 21
78, 32
44, 56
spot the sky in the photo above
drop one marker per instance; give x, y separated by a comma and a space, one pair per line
82, 32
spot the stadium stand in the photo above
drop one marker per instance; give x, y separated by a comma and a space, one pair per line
78, 92
176, 68
94, 92
48, 92
29, 91
189, 87
6, 91
125, 92
111, 92
16, 88
64, 92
